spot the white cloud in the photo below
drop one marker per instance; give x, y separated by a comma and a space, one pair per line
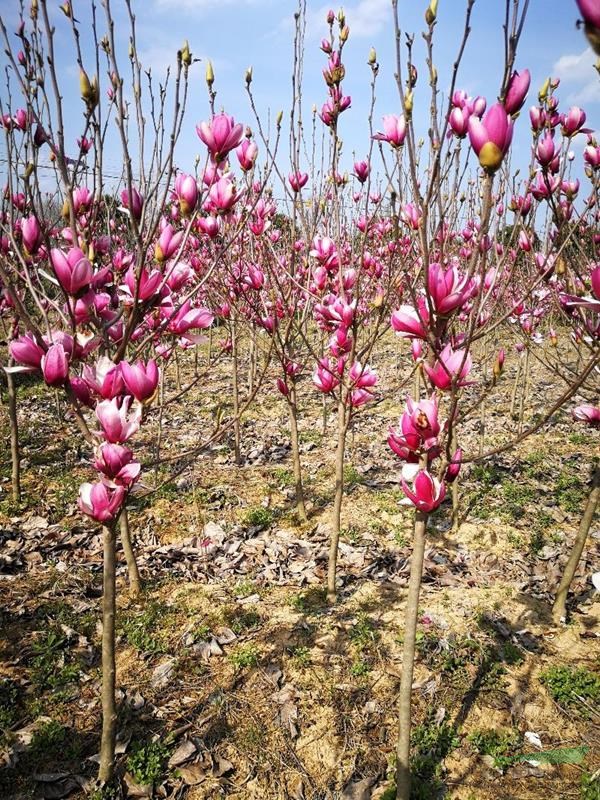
366, 18
576, 71
196, 5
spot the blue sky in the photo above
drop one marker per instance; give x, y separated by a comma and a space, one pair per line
237, 33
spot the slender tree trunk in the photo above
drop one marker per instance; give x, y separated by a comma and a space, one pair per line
408, 659
299, 489
161, 400
135, 583
454, 489
236, 395
337, 503
559, 609
109, 710
15, 454
513, 397
523, 400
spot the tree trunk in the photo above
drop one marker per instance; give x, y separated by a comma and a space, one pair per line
408, 659
15, 454
559, 609
109, 710
337, 503
135, 583
236, 395
298, 487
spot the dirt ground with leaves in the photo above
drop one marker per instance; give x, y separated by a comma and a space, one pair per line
236, 678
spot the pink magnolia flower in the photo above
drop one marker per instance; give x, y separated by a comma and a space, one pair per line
168, 243
324, 377
410, 323
74, 271
595, 279
452, 366
426, 494
100, 502
186, 318
82, 200
55, 365
411, 215
448, 289
25, 350
362, 377
297, 180
420, 424
394, 130
104, 378
454, 467
590, 11
116, 426
32, 235
149, 283
141, 380
362, 170
246, 154
222, 195
186, 191
518, 86
210, 226
137, 202
573, 122
458, 120
116, 463
545, 151
221, 135
587, 413
491, 137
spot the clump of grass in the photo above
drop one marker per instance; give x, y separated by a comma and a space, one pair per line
148, 630
352, 476
431, 743
501, 745
572, 688
147, 762
259, 517
244, 656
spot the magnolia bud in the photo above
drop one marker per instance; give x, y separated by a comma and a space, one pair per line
431, 12
279, 118
186, 56
543, 92
372, 56
85, 87
344, 33
210, 75
408, 103
248, 76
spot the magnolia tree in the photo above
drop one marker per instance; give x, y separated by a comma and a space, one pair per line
105, 284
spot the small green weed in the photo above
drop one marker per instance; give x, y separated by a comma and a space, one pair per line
352, 476
52, 666
241, 619
52, 741
310, 601
148, 630
590, 786
431, 743
363, 633
244, 656
501, 745
572, 688
570, 490
301, 656
282, 477
360, 667
147, 762
259, 517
